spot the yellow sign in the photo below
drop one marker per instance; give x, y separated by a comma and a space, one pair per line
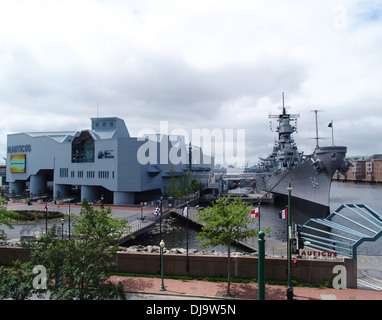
17, 163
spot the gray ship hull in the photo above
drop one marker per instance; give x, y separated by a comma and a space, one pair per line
310, 176
311, 181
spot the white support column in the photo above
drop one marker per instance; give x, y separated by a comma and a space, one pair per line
17, 186
38, 184
90, 193
123, 197
63, 189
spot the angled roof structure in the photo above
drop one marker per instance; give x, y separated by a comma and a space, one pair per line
344, 230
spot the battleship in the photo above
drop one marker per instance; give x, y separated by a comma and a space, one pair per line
310, 175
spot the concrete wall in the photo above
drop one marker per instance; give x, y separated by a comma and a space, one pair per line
307, 270
10, 254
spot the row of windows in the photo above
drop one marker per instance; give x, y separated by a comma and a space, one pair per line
103, 174
64, 173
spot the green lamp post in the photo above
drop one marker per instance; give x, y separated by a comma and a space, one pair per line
289, 241
261, 262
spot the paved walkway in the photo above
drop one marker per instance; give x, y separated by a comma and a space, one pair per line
369, 268
215, 290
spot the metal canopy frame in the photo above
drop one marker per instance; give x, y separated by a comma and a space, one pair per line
353, 224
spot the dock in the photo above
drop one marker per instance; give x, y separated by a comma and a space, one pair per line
275, 247
141, 224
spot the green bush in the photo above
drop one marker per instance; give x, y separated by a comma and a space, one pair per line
31, 215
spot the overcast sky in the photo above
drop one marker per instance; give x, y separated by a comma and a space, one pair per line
215, 64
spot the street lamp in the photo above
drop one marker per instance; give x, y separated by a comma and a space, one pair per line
46, 217
162, 244
69, 218
187, 262
289, 234
160, 226
62, 228
101, 203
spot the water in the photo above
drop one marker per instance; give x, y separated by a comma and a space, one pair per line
341, 193
350, 193
356, 193
177, 238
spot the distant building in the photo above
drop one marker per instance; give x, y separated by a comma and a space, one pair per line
364, 169
104, 161
2, 175
374, 168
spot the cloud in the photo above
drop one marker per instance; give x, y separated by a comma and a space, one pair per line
200, 64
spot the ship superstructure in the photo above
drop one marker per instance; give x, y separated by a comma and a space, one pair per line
310, 175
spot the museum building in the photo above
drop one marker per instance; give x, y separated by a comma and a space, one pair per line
104, 161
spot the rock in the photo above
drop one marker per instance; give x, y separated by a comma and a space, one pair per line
236, 254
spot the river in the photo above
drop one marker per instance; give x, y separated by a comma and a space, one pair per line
341, 193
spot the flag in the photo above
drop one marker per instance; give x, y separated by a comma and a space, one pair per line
184, 211
330, 125
255, 213
46, 208
157, 211
283, 214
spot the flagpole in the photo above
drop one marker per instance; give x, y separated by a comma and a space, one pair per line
331, 126
160, 230
259, 215
46, 217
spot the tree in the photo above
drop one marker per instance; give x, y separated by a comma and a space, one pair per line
195, 185
225, 223
16, 282
4, 218
172, 189
184, 185
80, 266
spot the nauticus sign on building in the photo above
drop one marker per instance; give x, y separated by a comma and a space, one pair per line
101, 161
17, 161
19, 149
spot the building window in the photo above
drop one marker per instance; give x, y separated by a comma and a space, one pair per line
103, 174
83, 148
64, 172
72, 174
90, 174
80, 174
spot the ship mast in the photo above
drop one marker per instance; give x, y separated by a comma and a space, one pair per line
284, 120
317, 146
284, 112
317, 137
